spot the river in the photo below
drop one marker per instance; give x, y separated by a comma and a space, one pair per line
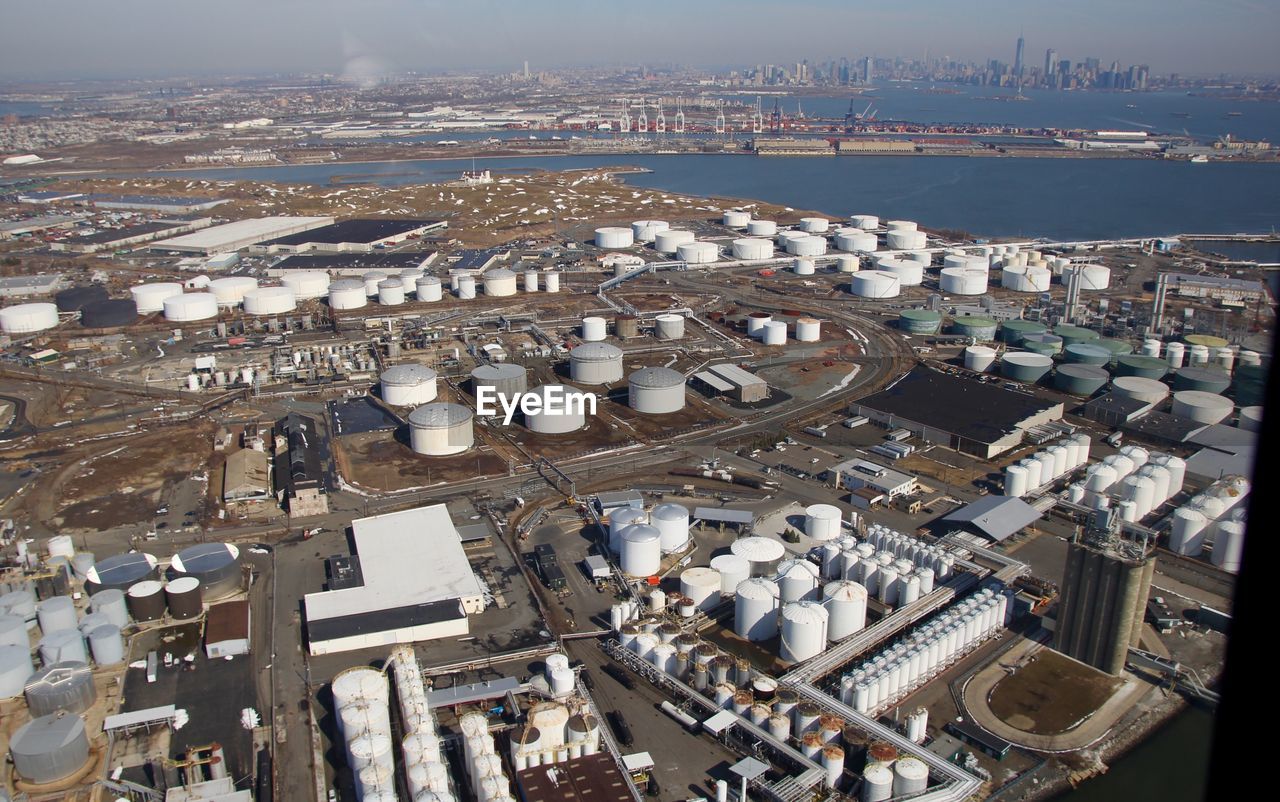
1172, 765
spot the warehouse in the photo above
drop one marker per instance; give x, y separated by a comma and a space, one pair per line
245, 477
994, 517
302, 473
859, 473
349, 236
395, 600
958, 412
356, 264
114, 238
226, 630
12, 229
238, 235
30, 286
746, 387
155, 203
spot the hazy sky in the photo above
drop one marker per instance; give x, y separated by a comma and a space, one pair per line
112, 38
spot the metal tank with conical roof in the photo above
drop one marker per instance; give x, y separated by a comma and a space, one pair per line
216, 565
804, 631
441, 429
50, 748
762, 553
65, 687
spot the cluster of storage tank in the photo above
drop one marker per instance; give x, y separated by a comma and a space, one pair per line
907, 664
424, 764
1135, 481
896, 568
552, 734
1216, 516
1047, 465
362, 706
393, 290
641, 538
484, 768
884, 780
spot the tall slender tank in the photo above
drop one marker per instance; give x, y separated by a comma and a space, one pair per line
804, 631
797, 580
641, 550
846, 603
106, 645
672, 521
57, 612
756, 609
111, 603
15, 669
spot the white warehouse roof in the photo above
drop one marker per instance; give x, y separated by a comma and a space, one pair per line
240, 234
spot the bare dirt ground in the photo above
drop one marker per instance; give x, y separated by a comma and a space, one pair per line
1050, 694
381, 461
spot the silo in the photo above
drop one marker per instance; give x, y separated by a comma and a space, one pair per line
106, 644
668, 241
1201, 407
1080, 379
531, 281
229, 290
595, 363
183, 597
593, 329
1148, 391
65, 687
146, 600
920, 321
774, 333
150, 298
1146, 367
761, 552
669, 327
1206, 380
1048, 344
500, 283
15, 669
797, 580
980, 328
1186, 534
756, 609
307, 284
656, 391
60, 645
1025, 366
697, 253
50, 748
1015, 481
804, 631
347, 293
641, 550
808, 330
557, 411
646, 230
874, 284
508, 380
702, 586
391, 292
752, 248
1012, 331
58, 612
1228, 546
190, 307
822, 521
466, 287
614, 237
111, 603
440, 429
408, 385
762, 228
551, 282
846, 603
979, 358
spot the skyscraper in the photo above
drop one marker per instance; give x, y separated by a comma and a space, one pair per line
1017, 57
866, 69
1050, 65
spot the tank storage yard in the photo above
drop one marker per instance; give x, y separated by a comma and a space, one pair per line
742, 502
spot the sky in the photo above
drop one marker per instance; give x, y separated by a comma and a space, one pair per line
59, 39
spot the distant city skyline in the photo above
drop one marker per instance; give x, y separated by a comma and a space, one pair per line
62, 39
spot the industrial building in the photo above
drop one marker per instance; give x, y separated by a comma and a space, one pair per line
349, 236
238, 235
246, 476
13, 229
395, 600
859, 473
154, 203
958, 412
356, 264
29, 286
226, 629
301, 475
734, 382
115, 238
994, 517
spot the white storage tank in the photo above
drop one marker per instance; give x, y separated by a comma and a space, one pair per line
551, 282
866, 222
1139, 388
593, 329
1094, 277
391, 292
267, 301
733, 569
761, 552
909, 272
193, 306
151, 297
306, 284
508, 380
427, 289
671, 239
963, 281
846, 603
822, 521
348, 293
669, 326
557, 412
736, 218
752, 249
698, 253
808, 330
856, 241
371, 281
408, 385
874, 284
466, 287
530, 281
646, 230
656, 391
500, 283
440, 429
762, 228
774, 333
756, 609
107, 645
672, 521
1202, 407
60, 645
803, 267
797, 581
230, 290
900, 225
905, 240
814, 225
614, 237
702, 586
807, 246
804, 631
641, 550
979, 358
910, 776
595, 362
848, 263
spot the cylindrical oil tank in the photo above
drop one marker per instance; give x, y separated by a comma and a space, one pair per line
808, 330
697, 253
866, 222
1174, 354
806, 246
756, 322
74, 299
371, 280
595, 363
669, 327
626, 326
307, 284
1080, 379
701, 586
909, 272
905, 240
1042, 343
822, 521
774, 333
594, 329
736, 218
111, 603
150, 298
1146, 367
530, 281
108, 314
269, 301
183, 597
191, 306
551, 282
230, 290
646, 230
391, 291
57, 612
920, 321
756, 609
1015, 481
65, 687
963, 281
347, 293
979, 358
408, 385
797, 581
814, 225
874, 284
1250, 419
500, 283
804, 631
752, 248
672, 521
668, 241
1075, 334
762, 228
1228, 545
106, 644
846, 603
50, 748
1205, 380
901, 225
1093, 277
1025, 366
146, 600
428, 289
1116, 348
1201, 407
15, 668
803, 267
1148, 391
1025, 279
1012, 331
762, 553
557, 412
216, 565
614, 237
733, 569
60, 645
13, 630
439, 429
910, 776
1085, 354
980, 328
856, 241
466, 287
641, 550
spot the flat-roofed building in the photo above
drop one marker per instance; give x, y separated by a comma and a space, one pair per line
858, 473
747, 387
30, 286
238, 235
354, 264
111, 239
226, 630
13, 229
349, 236
396, 601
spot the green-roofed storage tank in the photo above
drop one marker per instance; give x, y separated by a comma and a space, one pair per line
1251, 383
1042, 343
1086, 354
1074, 334
1080, 379
1208, 380
920, 321
1207, 340
1147, 367
975, 326
1025, 366
1117, 348
1012, 331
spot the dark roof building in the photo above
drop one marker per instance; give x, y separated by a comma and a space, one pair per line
590, 778
349, 236
300, 467
354, 264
